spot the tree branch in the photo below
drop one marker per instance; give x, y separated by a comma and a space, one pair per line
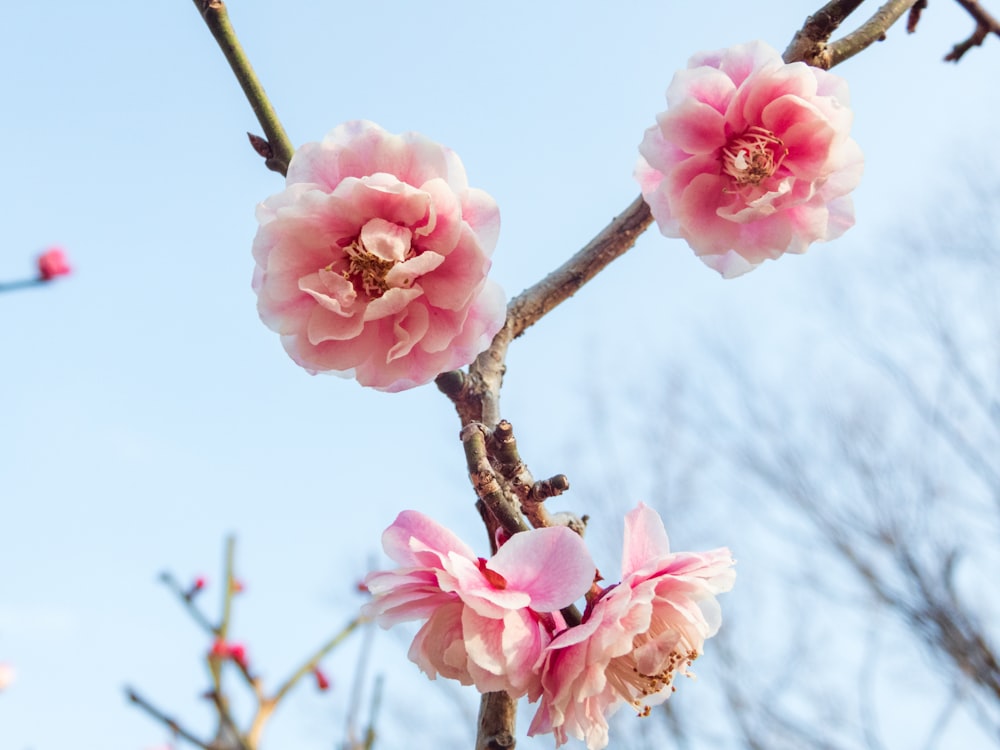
612, 242
985, 25
873, 30
810, 41
161, 717
811, 44
216, 17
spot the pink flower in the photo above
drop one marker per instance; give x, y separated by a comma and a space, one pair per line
635, 636
752, 158
373, 261
487, 620
53, 263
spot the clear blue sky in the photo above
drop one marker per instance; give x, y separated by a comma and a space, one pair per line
145, 412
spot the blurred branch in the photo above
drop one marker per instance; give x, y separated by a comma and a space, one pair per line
986, 24
168, 722
185, 598
11, 286
313, 661
216, 17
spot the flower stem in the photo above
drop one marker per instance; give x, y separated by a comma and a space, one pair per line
10, 286
217, 19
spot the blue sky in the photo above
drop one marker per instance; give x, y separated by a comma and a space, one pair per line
146, 412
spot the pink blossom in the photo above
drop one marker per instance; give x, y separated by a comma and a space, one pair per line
372, 263
487, 621
53, 263
752, 158
635, 636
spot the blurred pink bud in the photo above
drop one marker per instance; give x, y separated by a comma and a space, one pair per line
225, 650
199, 583
53, 263
7, 675
322, 681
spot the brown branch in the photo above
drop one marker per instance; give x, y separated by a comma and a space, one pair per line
161, 717
476, 395
873, 30
277, 145
914, 17
810, 41
612, 242
497, 717
811, 44
488, 489
986, 24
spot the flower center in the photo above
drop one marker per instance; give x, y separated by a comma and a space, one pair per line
754, 156
635, 686
374, 252
366, 270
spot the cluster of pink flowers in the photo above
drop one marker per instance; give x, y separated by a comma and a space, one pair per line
752, 158
373, 260
496, 623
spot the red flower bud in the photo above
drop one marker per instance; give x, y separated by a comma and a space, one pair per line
322, 681
52, 263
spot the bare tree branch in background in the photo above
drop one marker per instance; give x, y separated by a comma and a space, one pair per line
869, 492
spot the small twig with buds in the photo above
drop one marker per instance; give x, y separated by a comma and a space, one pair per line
505, 459
484, 479
277, 150
228, 736
186, 598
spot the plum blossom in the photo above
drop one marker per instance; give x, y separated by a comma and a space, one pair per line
751, 159
636, 636
372, 262
53, 263
487, 621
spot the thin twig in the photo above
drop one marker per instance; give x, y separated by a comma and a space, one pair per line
161, 717
10, 286
313, 661
914, 18
873, 30
217, 19
986, 24
186, 599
